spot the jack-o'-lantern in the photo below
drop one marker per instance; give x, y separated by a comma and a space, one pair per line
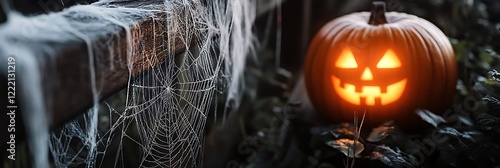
385, 63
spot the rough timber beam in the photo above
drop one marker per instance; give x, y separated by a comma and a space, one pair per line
66, 78
112, 73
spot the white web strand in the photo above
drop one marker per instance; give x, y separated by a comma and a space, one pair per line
28, 78
165, 111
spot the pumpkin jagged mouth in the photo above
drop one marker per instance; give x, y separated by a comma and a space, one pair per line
371, 95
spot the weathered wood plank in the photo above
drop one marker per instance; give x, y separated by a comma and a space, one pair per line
64, 62
66, 68
112, 72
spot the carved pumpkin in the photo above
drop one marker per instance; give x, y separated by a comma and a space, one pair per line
388, 64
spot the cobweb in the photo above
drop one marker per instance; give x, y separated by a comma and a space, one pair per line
161, 120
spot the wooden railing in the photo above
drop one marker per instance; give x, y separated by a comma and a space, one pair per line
66, 76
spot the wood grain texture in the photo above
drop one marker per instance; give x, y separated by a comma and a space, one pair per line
66, 77
64, 62
112, 71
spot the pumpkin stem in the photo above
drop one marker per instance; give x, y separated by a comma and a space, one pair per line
377, 13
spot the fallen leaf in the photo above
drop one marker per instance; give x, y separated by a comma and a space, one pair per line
391, 157
488, 122
493, 105
348, 147
343, 130
470, 136
380, 133
430, 117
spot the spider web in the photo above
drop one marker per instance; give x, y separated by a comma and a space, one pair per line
159, 119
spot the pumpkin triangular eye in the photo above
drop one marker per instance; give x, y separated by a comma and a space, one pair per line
389, 60
346, 59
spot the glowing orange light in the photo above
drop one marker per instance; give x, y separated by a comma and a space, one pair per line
389, 60
367, 74
370, 93
346, 59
